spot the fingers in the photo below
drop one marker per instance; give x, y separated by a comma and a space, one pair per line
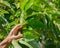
15, 29
18, 27
17, 36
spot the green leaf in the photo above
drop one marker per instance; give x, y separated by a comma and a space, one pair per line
34, 44
5, 3
15, 44
25, 43
29, 4
22, 4
2, 11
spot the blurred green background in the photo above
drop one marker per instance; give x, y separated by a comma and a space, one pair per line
40, 20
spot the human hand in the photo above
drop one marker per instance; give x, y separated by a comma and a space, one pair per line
14, 33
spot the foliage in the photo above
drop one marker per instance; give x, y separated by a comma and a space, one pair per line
40, 20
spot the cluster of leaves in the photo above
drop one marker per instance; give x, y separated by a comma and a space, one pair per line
40, 20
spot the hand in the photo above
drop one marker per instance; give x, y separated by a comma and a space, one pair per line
12, 35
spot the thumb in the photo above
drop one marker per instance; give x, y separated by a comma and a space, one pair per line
17, 36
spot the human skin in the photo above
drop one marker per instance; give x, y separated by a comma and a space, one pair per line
12, 35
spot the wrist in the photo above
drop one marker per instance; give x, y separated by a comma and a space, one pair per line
5, 42
8, 39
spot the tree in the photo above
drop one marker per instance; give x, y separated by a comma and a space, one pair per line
40, 20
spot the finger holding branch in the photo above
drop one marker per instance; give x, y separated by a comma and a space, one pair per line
12, 35
15, 29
